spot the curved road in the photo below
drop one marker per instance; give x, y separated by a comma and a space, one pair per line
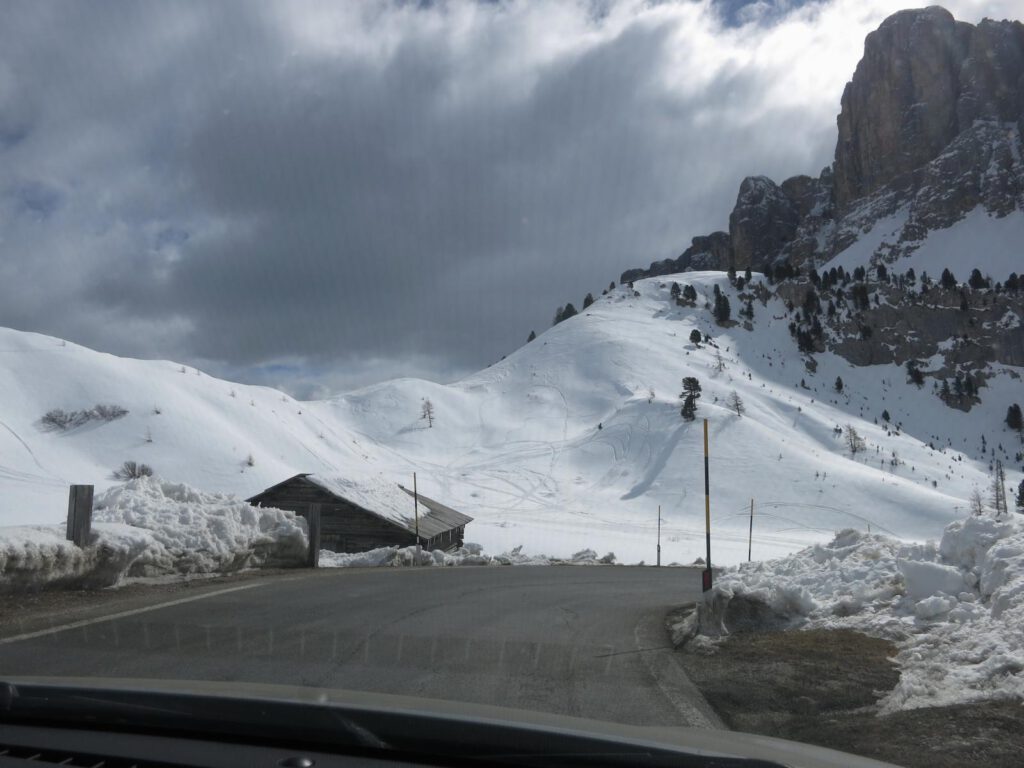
581, 641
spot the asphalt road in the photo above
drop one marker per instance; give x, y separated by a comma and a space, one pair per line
581, 641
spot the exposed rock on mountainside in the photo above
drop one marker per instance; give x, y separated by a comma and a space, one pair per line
763, 221
930, 127
924, 79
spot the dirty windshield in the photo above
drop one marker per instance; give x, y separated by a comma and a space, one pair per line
634, 362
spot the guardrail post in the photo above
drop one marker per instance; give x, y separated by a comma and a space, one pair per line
313, 523
79, 514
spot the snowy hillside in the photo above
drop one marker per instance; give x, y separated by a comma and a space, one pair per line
572, 441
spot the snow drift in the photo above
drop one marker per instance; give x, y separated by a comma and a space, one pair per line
956, 609
471, 554
149, 527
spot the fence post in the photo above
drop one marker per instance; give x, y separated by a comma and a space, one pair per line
79, 514
313, 523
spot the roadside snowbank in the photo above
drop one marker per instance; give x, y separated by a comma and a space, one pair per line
148, 527
956, 609
471, 554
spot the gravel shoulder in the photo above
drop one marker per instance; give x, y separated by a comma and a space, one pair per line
822, 687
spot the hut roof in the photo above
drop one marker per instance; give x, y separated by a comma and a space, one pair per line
388, 500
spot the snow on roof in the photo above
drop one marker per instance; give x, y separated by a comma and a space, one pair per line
391, 501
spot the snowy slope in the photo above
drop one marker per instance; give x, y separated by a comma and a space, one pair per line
558, 447
979, 240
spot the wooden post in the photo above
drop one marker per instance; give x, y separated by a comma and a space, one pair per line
313, 523
750, 537
659, 535
416, 511
79, 514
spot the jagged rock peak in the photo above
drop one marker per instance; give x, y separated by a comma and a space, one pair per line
924, 78
763, 220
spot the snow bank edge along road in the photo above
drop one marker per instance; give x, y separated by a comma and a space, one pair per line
149, 527
956, 608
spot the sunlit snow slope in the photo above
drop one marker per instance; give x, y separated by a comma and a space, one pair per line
572, 441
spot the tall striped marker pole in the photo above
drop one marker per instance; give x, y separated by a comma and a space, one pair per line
659, 535
706, 576
416, 509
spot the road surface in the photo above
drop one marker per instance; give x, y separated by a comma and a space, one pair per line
581, 641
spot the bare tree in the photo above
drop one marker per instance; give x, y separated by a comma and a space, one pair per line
719, 364
736, 403
854, 442
976, 504
428, 412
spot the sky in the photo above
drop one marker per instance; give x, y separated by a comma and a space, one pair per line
322, 195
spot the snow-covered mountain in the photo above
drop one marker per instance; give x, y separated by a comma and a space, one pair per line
575, 439
572, 441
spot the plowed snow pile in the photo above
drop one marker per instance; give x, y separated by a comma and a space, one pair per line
471, 554
956, 608
148, 527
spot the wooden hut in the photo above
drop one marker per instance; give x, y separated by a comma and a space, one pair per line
359, 515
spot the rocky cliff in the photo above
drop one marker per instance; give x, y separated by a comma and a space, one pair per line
929, 127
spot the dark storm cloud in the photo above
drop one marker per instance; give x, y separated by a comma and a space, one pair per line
317, 196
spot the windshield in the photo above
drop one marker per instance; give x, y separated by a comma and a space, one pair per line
654, 363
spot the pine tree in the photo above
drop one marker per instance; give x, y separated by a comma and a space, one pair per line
839, 384
689, 409
1014, 418
1020, 497
915, 373
976, 280
885, 416
746, 275
947, 281
689, 293
736, 403
695, 337
531, 337
722, 309
588, 300
690, 395
675, 291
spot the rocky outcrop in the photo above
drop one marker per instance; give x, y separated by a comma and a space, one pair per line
763, 221
923, 80
930, 126
712, 251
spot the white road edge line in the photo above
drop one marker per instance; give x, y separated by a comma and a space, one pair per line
120, 615
673, 682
